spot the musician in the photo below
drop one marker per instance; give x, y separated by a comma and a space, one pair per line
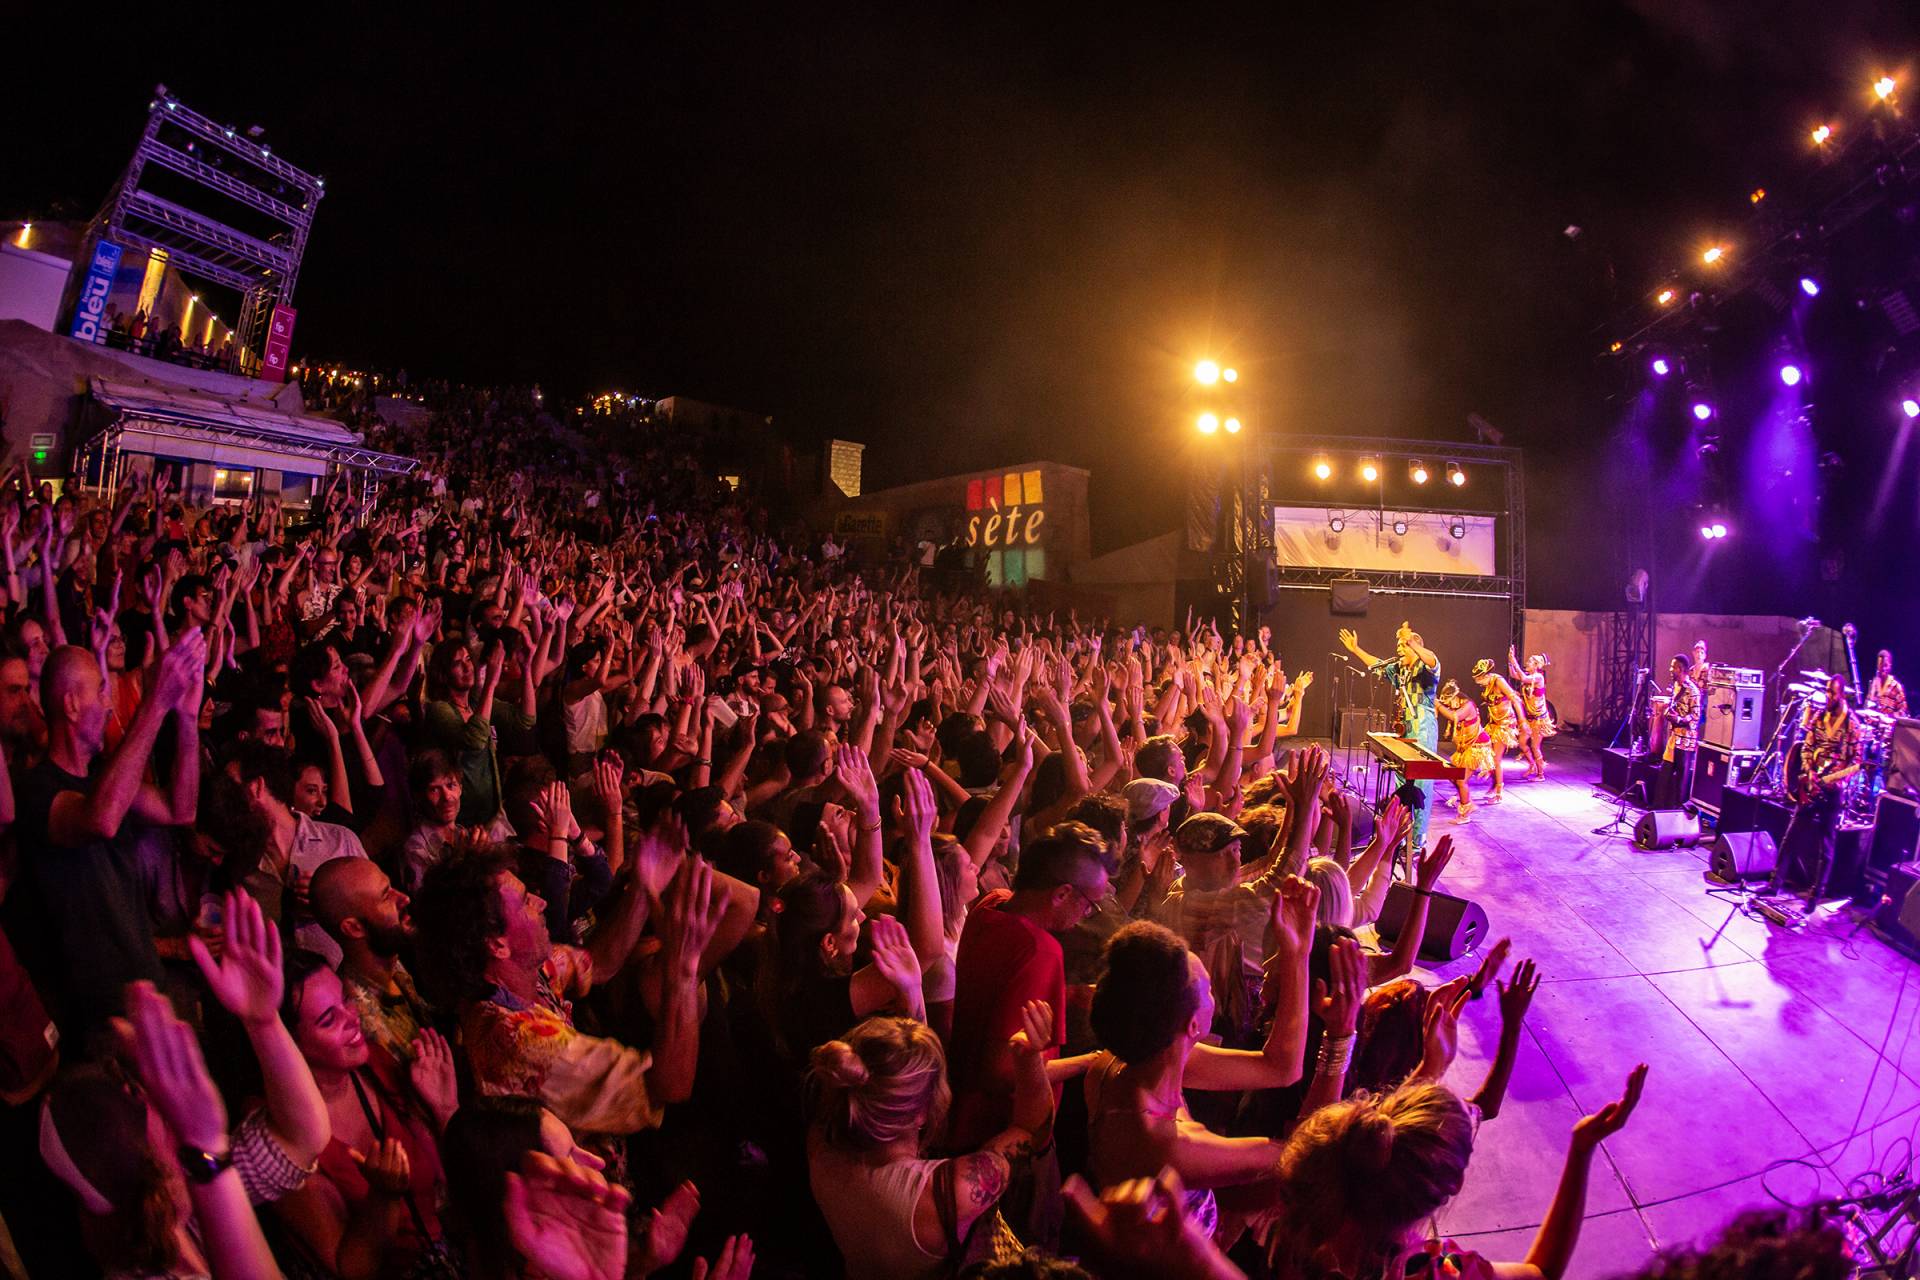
1885, 693
1683, 734
1414, 673
1538, 725
1829, 754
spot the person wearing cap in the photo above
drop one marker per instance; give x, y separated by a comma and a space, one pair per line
1149, 815
1224, 919
1414, 673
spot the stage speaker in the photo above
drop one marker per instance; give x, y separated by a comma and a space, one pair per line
1898, 919
1896, 832
1714, 769
1355, 723
1347, 597
1667, 829
1454, 925
1742, 855
1733, 716
1903, 758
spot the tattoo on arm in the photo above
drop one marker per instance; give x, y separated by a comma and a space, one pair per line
986, 1176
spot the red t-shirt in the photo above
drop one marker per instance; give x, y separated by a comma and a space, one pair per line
1005, 960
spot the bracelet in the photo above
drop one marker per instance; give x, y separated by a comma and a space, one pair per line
1424, 893
1336, 1053
874, 827
703, 763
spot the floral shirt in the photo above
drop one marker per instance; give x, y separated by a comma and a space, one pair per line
531, 1049
389, 1022
1683, 717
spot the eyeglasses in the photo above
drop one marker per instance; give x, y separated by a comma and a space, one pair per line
1093, 904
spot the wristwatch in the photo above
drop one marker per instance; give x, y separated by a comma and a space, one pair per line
202, 1167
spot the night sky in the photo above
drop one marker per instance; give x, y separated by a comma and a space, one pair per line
980, 240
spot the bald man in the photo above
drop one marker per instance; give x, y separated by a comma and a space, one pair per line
358, 906
77, 913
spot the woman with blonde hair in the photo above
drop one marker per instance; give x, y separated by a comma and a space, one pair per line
1359, 1180
878, 1098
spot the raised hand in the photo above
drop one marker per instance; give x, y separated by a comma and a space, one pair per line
667, 1227
1294, 915
1434, 862
182, 677
566, 1220
1337, 998
321, 720
1612, 1118
166, 1056
850, 766
735, 1261
1517, 995
916, 809
387, 1170
432, 1074
607, 790
694, 906
247, 978
1035, 1035
1441, 1028
1349, 641
1140, 1227
1490, 965
893, 956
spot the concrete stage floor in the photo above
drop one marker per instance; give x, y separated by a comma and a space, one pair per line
1782, 1064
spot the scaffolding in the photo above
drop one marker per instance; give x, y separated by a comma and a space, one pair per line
221, 166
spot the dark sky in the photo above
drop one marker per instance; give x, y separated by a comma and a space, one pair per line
981, 239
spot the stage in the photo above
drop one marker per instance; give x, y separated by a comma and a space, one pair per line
1782, 1063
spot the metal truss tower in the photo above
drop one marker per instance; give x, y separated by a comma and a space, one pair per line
262, 263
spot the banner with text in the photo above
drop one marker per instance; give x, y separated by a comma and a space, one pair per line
90, 309
273, 360
1333, 538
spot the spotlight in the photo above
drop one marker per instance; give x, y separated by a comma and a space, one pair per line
1400, 528
1208, 424
1910, 407
1706, 531
1810, 286
1702, 410
1790, 374
1230, 375
1883, 88
1369, 471
1719, 529
1337, 524
1232, 425
1665, 297
1206, 373
1418, 473
1821, 135
1457, 529
1713, 254
1323, 470
1661, 367
1455, 476
1756, 195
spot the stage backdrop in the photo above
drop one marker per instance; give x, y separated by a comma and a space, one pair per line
1304, 537
1458, 629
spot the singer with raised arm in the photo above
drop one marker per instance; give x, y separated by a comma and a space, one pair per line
1414, 673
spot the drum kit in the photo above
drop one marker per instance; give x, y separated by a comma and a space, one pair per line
1876, 733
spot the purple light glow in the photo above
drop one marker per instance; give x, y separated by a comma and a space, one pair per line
1660, 367
1790, 374
1810, 286
1910, 407
1702, 410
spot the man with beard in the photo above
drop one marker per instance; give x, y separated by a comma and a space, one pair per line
361, 910
23, 729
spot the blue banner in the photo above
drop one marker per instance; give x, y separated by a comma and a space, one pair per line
90, 310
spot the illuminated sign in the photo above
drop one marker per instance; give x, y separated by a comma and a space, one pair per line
90, 309
1005, 511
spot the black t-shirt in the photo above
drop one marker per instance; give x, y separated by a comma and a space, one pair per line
77, 912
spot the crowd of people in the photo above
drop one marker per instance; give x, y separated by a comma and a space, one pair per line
479, 880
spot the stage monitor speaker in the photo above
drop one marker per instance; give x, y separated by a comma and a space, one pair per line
1898, 919
1742, 855
1733, 717
1667, 829
1355, 723
1896, 832
1454, 925
1347, 597
1903, 758
1714, 768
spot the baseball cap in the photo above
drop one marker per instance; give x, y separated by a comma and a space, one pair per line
1147, 797
1207, 833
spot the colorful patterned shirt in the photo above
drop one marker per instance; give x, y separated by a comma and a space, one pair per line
1683, 717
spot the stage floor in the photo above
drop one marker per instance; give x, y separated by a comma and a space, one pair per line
1783, 1064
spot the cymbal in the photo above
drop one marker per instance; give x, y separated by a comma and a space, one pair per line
1802, 690
1874, 717
1816, 675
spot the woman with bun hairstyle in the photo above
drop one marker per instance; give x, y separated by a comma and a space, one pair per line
1359, 1179
878, 1098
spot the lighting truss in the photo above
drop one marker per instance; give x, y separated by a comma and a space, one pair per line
218, 160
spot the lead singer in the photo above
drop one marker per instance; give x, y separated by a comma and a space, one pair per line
1414, 673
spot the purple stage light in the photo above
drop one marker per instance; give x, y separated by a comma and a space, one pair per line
1790, 374
1719, 530
1810, 286
1910, 407
1660, 367
1702, 410
1706, 531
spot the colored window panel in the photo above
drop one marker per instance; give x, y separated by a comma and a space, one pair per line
1031, 482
